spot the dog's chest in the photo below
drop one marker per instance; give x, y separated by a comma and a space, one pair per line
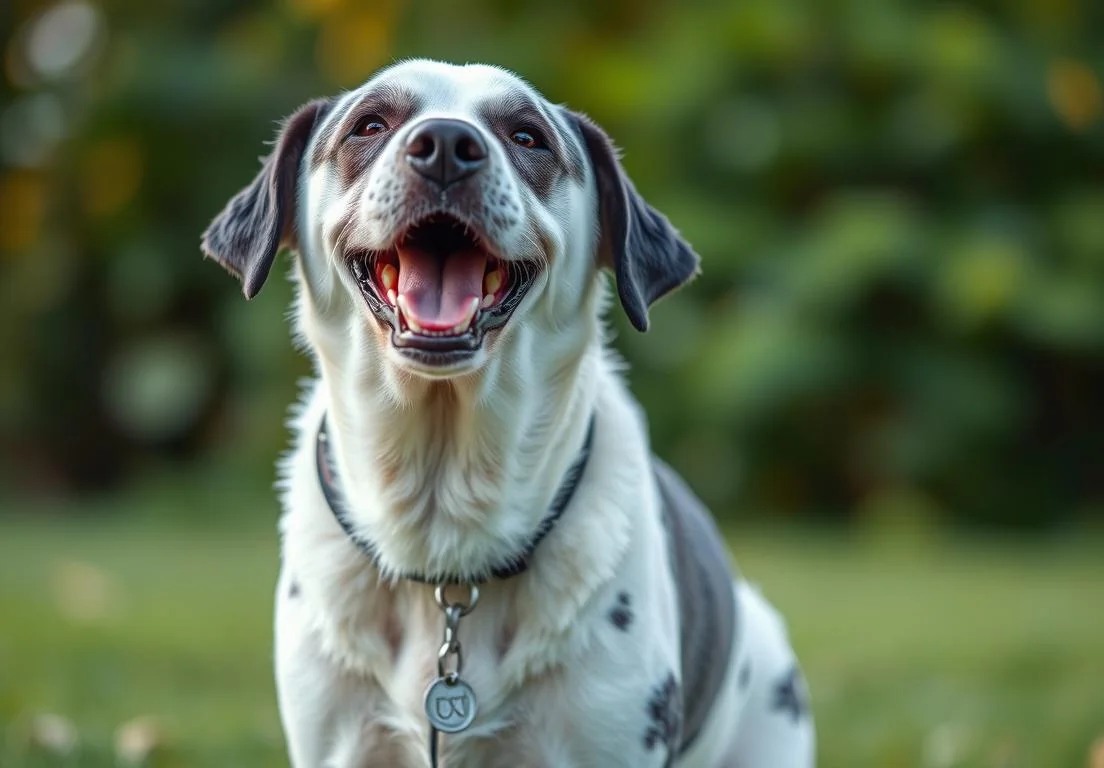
564, 716
542, 700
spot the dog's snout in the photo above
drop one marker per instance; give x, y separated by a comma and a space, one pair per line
446, 151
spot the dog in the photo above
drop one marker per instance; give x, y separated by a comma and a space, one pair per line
483, 564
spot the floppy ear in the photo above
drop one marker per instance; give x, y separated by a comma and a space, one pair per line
647, 255
245, 237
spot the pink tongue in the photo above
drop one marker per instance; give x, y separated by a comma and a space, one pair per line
438, 291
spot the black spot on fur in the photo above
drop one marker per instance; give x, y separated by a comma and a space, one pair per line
293, 590
621, 614
790, 695
664, 717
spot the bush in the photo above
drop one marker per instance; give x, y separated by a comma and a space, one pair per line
898, 205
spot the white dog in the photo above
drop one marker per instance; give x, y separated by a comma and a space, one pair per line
468, 430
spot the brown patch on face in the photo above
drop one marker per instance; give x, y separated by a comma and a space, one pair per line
355, 154
539, 168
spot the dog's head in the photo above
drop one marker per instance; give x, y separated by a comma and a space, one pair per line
438, 208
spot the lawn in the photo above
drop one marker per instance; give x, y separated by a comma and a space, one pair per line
932, 654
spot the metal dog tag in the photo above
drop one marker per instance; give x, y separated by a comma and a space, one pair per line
450, 704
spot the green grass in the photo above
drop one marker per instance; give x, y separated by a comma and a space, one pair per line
928, 655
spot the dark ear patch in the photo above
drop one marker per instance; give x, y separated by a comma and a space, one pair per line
646, 254
245, 237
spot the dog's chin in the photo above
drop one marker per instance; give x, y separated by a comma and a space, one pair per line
437, 366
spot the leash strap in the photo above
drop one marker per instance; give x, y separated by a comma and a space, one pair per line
433, 747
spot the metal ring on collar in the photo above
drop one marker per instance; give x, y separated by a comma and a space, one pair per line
465, 608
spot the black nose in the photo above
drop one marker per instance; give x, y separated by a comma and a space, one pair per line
445, 151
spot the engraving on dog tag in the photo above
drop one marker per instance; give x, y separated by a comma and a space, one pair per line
450, 706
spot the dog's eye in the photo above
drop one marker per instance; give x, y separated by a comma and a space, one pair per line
527, 139
370, 126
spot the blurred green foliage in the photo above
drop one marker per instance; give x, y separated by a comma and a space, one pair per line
899, 205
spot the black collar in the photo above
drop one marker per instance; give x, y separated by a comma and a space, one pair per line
511, 567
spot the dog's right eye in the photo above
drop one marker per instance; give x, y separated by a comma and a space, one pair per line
370, 126
528, 138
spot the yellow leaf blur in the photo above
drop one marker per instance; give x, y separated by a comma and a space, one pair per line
353, 42
23, 201
1075, 93
111, 174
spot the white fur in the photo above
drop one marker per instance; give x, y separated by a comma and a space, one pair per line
455, 472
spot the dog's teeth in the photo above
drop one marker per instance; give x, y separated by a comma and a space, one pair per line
390, 277
404, 308
488, 301
464, 324
392, 298
492, 281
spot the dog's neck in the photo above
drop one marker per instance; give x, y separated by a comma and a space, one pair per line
457, 475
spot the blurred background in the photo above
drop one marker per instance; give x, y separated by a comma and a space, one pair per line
888, 383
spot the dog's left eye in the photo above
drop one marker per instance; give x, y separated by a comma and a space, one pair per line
528, 139
370, 126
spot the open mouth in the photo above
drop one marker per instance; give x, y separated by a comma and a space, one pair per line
440, 288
